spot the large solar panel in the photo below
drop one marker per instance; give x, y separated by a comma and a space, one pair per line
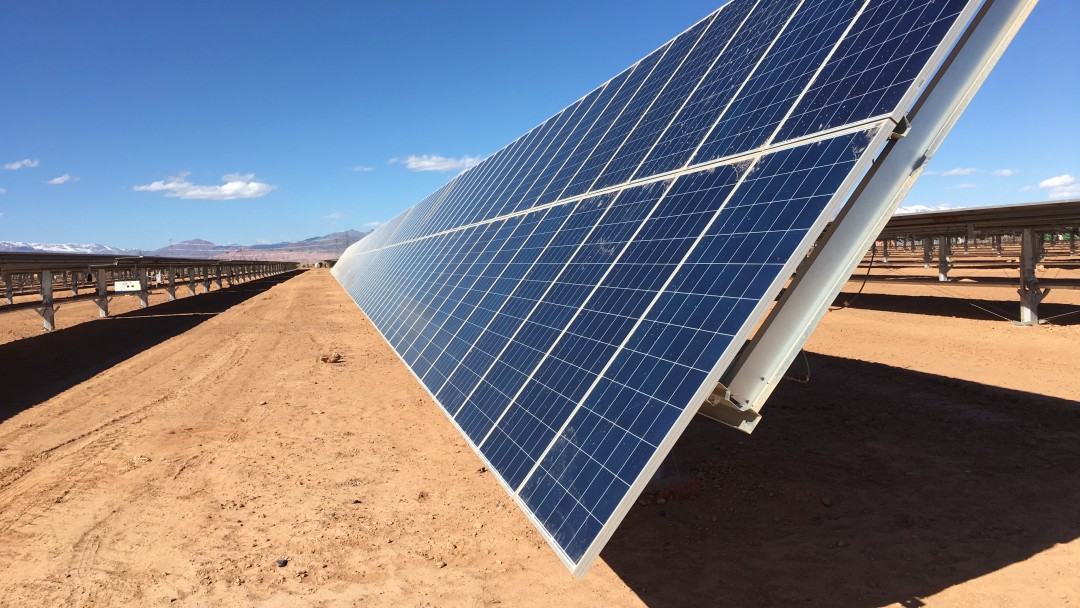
571, 300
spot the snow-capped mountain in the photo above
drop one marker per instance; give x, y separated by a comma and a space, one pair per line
92, 248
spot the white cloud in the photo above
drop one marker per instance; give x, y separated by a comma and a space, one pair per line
237, 185
1061, 186
1003, 172
965, 186
434, 162
363, 169
372, 225
26, 163
335, 216
2, 191
921, 209
63, 179
960, 171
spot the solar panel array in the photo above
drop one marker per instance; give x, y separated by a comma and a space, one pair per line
571, 300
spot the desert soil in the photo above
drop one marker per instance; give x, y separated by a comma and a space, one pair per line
170, 456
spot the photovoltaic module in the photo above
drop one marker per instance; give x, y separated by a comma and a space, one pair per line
572, 301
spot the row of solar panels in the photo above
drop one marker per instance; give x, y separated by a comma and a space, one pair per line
571, 301
716, 91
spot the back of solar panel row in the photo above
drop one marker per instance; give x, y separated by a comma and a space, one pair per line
571, 300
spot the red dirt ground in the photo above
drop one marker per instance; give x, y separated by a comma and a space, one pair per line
168, 457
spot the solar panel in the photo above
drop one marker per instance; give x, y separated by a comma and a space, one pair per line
571, 300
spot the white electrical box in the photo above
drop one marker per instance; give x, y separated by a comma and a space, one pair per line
126, 286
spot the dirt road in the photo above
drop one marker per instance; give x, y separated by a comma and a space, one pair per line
170, 456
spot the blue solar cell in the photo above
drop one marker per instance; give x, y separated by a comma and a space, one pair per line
775, 85
751, 33
875, 65
650, 386
570, 299
642, 127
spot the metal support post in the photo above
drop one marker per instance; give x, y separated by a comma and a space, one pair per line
9, 289
1072, 241
927, 251
144, 293
944, 259
206, 279
761, 365
102, 298
1030, 294
47, 311
170, 284
885, 251
191, 280
217, 276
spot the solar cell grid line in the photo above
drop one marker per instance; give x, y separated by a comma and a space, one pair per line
467, 291
657, 119
560, 509
732, 134
439, 281
571, 162
800, 53
559, 308
569, 326
553, 158
509, 334
417, 215
853, 86
413, 276
596, 325
535, 160
652, 90
585, 172
727, 26
449, 393
537, 141
514, 166
500, 333
447, 350
493, 169
534, 169
543, 225
584, 147
543, 394
444, 288
718, 89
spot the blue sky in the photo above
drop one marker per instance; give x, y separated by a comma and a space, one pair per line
127, 122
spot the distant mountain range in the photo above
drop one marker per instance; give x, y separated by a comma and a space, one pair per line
314, 249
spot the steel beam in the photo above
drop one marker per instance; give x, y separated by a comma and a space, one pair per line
1030, 294
102, 298
170, 284
144, 293
47, 311
944, 259
760, 366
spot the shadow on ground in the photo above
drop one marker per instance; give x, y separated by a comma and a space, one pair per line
962, 308
36, 369
870, 485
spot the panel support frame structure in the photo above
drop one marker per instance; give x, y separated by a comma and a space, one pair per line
763, 362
